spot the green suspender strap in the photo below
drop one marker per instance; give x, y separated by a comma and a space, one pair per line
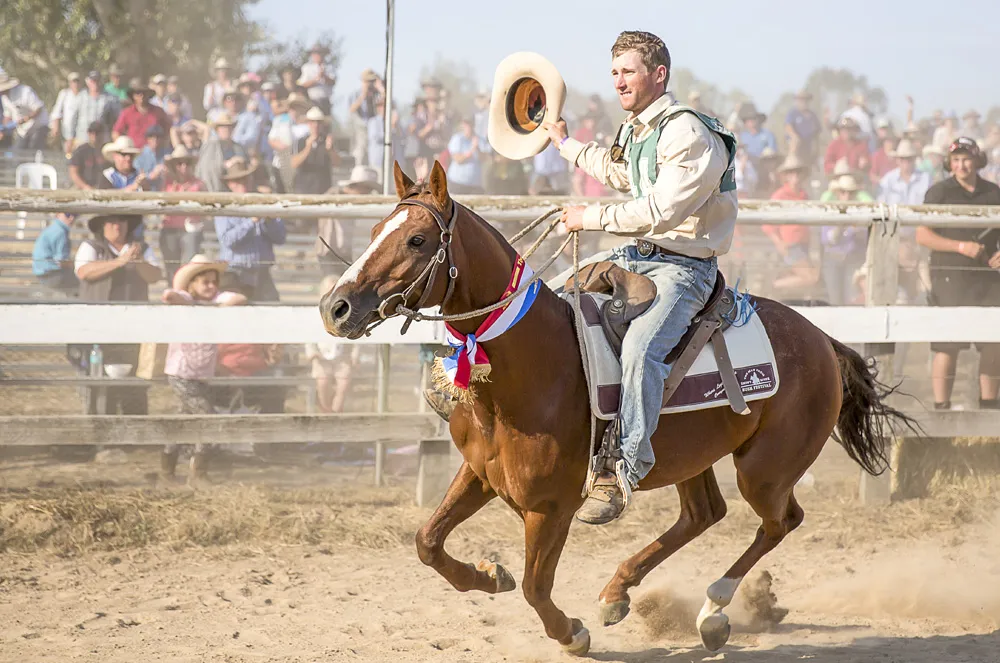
641, 156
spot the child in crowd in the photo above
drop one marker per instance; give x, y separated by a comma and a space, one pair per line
189, 365
332, 361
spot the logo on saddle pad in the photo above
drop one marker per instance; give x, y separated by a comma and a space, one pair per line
755, 379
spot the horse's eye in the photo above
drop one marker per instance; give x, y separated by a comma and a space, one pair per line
417, 240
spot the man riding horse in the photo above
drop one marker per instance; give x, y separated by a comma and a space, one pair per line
678, 165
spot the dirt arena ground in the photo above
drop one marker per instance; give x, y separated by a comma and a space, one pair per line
289, 564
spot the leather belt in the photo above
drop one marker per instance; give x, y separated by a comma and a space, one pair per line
645, 248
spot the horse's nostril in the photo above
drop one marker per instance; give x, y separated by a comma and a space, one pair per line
340, 309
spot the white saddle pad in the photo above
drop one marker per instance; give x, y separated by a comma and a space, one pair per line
749, 349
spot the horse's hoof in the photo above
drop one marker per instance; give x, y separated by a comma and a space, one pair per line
714, 630
580, 644
612, 613
504, 580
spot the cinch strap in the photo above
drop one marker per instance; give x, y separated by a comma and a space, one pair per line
468, 351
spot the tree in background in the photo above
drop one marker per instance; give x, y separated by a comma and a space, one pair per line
41, 41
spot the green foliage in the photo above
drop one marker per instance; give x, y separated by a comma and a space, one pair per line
41, 41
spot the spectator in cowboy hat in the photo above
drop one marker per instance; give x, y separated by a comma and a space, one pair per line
363, 108
314, 156
803, 128
843, 247
847, 145
158, 84
114, 267
430, 87
904, 184
150, 159
136, 119
248, 244
181, 236
232, 104
218, 151
215, 90
122, 173
286, 131
189, 366
755, 136
114, 85
23, 110
839, 169
316, 79
792, 242
87, 162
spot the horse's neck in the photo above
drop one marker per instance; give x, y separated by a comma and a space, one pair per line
537, 352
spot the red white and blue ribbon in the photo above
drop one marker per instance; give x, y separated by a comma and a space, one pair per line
469, 351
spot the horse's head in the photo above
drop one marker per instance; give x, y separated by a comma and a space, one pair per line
398, 265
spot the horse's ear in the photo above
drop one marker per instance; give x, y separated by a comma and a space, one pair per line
439, 186
403, 183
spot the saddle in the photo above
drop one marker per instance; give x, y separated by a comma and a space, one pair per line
622, 296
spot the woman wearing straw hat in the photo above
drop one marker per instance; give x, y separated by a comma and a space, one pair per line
190, 365
843, 247
180, 236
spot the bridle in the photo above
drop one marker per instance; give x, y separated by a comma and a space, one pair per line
391, 305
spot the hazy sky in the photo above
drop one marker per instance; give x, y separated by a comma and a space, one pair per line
946, 54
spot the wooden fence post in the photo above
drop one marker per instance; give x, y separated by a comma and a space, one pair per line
882, 263
381, 407
433, 474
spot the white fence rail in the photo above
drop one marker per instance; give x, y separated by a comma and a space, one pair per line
141, 323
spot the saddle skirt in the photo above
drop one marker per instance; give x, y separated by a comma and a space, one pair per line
749, 347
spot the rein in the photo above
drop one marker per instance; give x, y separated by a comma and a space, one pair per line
390, 307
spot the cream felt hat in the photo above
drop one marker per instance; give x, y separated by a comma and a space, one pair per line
527, 91
199, 263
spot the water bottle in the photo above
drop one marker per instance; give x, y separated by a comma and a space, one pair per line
96, 361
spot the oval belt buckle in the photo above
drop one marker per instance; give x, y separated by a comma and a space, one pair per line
644, 248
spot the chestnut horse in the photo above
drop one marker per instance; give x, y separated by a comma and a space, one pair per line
525, 433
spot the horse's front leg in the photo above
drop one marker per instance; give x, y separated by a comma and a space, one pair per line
466, 495
544, 537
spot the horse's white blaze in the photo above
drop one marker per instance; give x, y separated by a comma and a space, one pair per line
352, 273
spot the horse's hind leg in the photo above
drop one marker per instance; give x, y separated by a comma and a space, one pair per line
464, 498
767, 487
702, 506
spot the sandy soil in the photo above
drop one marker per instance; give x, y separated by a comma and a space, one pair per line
916, 582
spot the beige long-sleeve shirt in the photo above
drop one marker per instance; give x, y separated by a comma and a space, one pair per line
685, 211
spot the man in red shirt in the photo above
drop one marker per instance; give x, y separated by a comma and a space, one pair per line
141, 115
848, 145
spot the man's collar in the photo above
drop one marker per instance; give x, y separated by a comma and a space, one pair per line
650, 113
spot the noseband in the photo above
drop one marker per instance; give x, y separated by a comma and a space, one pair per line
389, 307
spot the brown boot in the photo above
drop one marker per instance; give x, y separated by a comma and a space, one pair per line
440, 402
604, 503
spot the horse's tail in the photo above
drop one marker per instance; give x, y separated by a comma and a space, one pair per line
864, 415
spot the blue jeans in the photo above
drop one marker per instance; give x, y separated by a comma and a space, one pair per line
683, 286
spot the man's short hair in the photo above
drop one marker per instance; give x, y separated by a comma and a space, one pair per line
650, 48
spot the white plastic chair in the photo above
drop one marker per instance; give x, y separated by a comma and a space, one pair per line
33, 176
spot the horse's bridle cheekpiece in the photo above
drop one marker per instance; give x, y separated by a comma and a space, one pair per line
389, 308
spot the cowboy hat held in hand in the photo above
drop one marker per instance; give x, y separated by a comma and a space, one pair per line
528, 91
